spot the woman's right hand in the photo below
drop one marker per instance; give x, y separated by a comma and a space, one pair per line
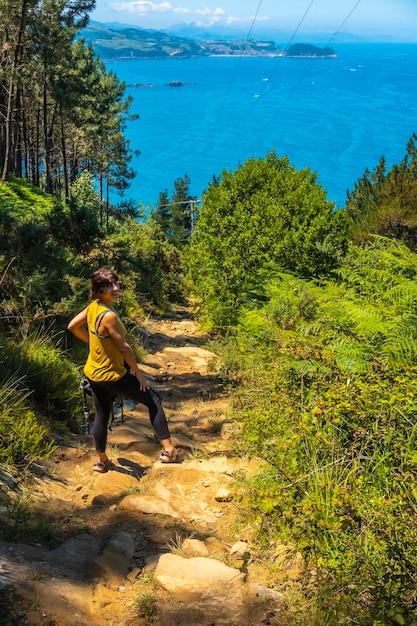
142, 382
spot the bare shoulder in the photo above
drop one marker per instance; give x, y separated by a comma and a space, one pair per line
111, 319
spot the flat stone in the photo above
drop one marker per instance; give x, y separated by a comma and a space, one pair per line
115, 561
73, 556
214, 546
268, 594
133, 574
166, 536
68, 601
194, 547
197, 577
240, 550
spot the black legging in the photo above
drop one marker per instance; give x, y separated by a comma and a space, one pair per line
103, 394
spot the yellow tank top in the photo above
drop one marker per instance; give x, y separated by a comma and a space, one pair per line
105, 361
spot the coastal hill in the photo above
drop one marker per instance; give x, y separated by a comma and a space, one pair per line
302, 50
137, 43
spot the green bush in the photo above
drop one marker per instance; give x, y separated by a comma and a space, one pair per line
264, 217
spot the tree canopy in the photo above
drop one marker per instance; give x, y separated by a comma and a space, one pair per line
263, 217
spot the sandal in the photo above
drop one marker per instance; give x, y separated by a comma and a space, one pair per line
102, 467
169, 457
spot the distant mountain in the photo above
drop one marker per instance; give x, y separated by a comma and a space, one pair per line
196, 31
277, 34
282, 36
131, 42
114, 25
127, 42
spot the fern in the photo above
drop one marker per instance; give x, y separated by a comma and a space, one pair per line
351, 356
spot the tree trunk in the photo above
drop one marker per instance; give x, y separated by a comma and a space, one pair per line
64, 160
9, 118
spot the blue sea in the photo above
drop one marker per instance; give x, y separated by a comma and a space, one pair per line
337, 116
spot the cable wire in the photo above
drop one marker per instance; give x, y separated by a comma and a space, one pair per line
291, 93
268, 120
317, 58
233, 76
280, 59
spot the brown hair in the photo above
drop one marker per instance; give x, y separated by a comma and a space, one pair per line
100, 279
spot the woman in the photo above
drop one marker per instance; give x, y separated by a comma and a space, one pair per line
100, 326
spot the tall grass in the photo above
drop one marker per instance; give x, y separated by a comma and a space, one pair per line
39, 397
22, 437
38, 359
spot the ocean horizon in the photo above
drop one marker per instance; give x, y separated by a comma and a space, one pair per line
337, 116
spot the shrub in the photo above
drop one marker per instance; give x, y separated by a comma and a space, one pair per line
327, 397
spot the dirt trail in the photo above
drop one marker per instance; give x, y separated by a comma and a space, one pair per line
111, 529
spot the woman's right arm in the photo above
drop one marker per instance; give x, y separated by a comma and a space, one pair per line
78, 326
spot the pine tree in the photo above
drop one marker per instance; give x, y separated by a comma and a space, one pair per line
385, 202
182, 211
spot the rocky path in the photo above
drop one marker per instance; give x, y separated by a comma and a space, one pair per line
147, 543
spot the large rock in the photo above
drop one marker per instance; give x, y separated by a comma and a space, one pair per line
197, 578
72, 558
69, 601
114, 563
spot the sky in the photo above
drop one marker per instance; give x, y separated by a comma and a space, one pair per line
393, 19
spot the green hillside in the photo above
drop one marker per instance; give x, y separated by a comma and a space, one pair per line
110, 43
308, 50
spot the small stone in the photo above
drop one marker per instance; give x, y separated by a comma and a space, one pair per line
195, 547
133, 574
151, 562
223, 495
240, 550
268, 594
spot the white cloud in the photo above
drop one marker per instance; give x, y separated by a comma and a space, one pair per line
206, 11
142, 7
146, 7
243, 20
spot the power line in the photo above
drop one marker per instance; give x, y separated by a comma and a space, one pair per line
238, 64
314, 61
289, 96
317, 58
191, 205
280, 58
234, 74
